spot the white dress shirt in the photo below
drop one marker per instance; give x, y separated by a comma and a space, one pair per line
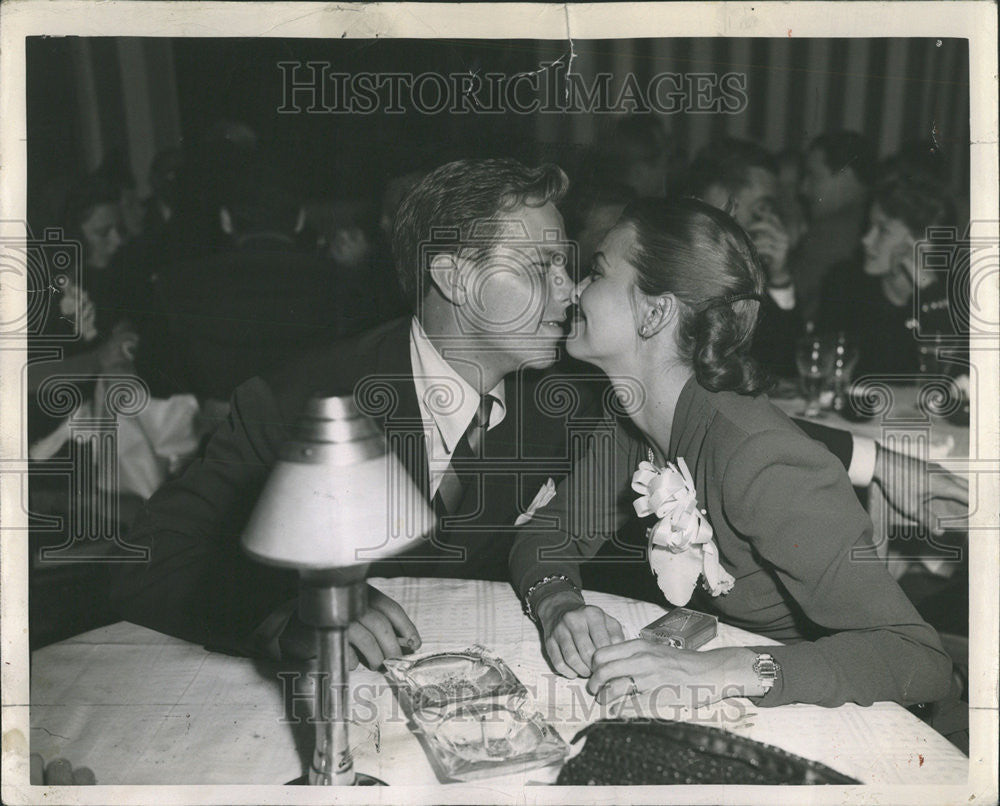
447, 402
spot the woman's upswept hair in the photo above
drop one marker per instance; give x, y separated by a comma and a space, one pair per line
702, 257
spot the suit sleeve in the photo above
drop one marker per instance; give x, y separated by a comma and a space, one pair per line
774, 341
794, 504
839, 442
591, 503
197, 584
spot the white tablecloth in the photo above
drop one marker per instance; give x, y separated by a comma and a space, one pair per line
947, 442
138, 707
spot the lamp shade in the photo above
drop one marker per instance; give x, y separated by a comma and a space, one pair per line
336, 498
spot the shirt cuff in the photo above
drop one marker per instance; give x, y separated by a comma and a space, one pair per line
784, 298
862, 469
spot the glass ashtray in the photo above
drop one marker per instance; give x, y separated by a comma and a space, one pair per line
488, 732
444, 678
477, 740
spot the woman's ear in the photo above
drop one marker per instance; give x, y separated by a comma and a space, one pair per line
659, 311
446, 276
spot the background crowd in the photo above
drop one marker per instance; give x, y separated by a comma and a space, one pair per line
229, 268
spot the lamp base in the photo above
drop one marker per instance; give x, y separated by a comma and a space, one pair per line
360, 779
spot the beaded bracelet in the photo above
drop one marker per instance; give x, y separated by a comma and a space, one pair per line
528, 609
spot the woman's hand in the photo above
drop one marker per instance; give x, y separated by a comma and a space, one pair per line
572, 631
672, 677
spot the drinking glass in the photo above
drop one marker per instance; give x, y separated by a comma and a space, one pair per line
845, 358
814, 358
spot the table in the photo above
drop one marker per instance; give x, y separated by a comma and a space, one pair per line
139, 707
902, 413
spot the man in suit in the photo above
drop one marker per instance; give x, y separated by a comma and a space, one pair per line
479, 249
482, 259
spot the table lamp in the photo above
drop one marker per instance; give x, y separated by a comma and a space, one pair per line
332, 504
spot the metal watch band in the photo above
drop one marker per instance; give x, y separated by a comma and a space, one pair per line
767, 670
528, 609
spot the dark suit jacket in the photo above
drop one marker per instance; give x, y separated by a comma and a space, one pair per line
199, 586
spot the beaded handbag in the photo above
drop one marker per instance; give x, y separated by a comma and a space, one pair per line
649, 752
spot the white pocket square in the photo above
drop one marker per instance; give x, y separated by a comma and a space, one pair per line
545, 494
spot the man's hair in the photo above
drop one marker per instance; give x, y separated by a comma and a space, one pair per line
727, 163
842, 149
452, 206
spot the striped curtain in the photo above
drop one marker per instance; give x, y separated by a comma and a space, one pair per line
892, 90
126, 98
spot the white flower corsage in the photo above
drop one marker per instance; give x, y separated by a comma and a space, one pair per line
680, 545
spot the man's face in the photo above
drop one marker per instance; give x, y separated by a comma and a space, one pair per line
517, 294
754, 201
825, 192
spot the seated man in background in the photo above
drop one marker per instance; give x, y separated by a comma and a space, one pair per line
838, 172
258, 299
347, 238
741, 178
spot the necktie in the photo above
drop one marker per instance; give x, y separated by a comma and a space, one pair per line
459, 475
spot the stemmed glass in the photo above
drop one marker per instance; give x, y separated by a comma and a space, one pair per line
814, 357
844, 360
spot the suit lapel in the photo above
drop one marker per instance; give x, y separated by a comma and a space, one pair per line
403, 426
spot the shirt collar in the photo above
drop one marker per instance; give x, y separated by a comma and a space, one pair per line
445, 397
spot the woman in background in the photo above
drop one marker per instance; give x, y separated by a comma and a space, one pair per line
871, 297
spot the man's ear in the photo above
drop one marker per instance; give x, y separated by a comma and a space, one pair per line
657, 314
300, 222
225, 220
446, 276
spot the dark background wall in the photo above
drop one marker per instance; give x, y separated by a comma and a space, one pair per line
87, 96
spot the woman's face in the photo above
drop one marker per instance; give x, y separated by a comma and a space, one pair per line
887, 242
888, 249
101, 235
605, 329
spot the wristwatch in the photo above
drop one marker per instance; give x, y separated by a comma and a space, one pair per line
767, 670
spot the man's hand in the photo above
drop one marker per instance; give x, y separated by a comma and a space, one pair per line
772, 242
381, 632
922, 492
572, 631
59, 772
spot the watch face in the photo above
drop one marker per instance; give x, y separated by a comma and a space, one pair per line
767, 670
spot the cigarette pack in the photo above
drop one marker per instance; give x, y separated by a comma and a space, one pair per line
681, 628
